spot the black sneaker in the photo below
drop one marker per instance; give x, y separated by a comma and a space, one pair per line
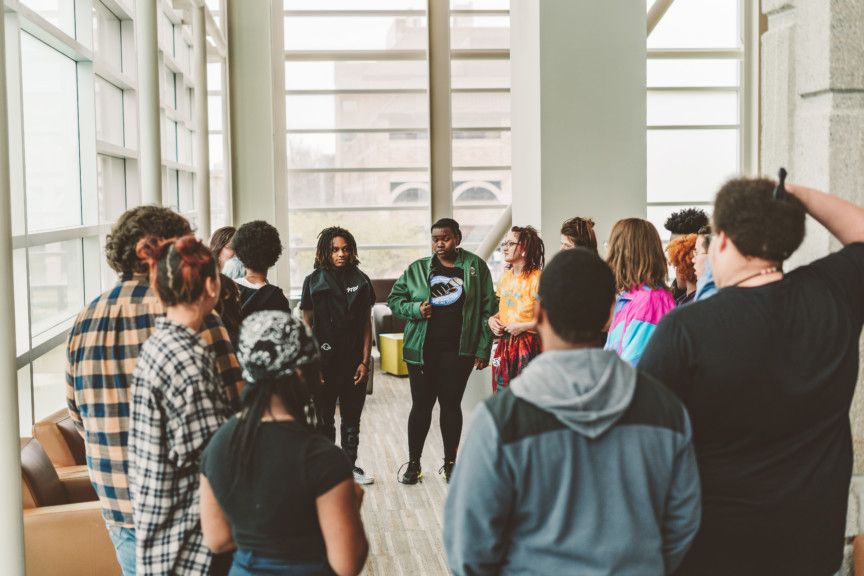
413, 474
447, 469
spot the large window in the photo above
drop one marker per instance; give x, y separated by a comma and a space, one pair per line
698, 104
72, 78
358, 131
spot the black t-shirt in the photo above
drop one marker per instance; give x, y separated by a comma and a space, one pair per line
272, 509
447, 296
767, 375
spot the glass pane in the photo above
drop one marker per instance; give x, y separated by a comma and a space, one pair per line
169, 139
184, 145
657, 215
217, 152
479, 32
356, 33
689, 108
479, 4
471, 148
690, 165
480, 73
166, 34
481, 110
481, 187
111, 182
214, 112
107, 42
109, 112
692, 73
355, 75
698, 24
49, 382
346, 189
25, 403
60, 13
56, 283
353, 5
169, 190
186, 191
22, 301
368, 226
359, 150
214, 76
50, 101
357, 111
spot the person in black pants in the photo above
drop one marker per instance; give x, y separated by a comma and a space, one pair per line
337, 302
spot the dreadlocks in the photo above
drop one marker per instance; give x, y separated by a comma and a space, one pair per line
532, 247
325, 244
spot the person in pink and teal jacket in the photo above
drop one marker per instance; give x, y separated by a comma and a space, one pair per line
636, 257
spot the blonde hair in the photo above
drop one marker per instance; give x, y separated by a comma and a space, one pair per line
636, 255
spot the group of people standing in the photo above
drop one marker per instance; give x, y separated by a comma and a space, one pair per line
625, 436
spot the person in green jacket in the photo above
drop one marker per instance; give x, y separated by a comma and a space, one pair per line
447, 299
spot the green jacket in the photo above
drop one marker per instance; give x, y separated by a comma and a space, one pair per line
412, 289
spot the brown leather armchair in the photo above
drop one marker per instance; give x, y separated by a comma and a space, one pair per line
64, 532
61, 441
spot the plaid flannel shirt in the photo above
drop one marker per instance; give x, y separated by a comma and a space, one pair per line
102, 351
177, 405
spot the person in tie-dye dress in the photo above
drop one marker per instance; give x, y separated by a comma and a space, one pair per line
518, 341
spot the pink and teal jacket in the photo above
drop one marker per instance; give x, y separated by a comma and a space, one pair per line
637, 314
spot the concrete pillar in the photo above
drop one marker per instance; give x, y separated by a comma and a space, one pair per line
202, 135
149, 128
578, 113
440, 125
813, 122
11, 520
256, 99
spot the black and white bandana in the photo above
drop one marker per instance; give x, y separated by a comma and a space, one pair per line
273, 344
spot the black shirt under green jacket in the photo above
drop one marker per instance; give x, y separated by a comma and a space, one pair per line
767, 374
447, 297
340, 301
272, 509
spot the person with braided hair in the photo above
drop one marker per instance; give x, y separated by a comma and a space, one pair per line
337, 304
177, 404
513, 325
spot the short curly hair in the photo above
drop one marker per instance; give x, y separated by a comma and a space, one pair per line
257, 245
686, 221
759, 226
132, 226
680, 251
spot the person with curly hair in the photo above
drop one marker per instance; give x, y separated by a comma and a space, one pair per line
513, 325
337, 301
103, 347
680, 252
767, 369
686, 221
258, 247
636, 258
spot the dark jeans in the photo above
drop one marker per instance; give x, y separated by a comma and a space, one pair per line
351, 398
442, 377
250, 564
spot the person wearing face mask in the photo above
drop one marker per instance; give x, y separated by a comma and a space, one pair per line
447, 299
513, 325
337, 300
177, 404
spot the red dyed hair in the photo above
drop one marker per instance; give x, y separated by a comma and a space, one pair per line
178, 267
680, 251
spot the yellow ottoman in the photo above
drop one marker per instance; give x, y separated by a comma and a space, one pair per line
391, 355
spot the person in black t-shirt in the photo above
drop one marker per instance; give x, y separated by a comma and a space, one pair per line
271, 486
337, 303
767, 368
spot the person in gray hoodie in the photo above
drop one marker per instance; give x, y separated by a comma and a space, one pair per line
584, 465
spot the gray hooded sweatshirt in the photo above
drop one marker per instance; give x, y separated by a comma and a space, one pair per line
584, 466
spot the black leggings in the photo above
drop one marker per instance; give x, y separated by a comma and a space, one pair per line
351, 398
443, 377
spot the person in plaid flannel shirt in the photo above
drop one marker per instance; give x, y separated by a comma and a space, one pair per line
102, 351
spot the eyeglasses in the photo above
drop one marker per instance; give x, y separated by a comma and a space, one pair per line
505, 245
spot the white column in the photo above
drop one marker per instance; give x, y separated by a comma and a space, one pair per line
11, 520
149, 129
256, 96
578, 113
202, 140
440, 138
